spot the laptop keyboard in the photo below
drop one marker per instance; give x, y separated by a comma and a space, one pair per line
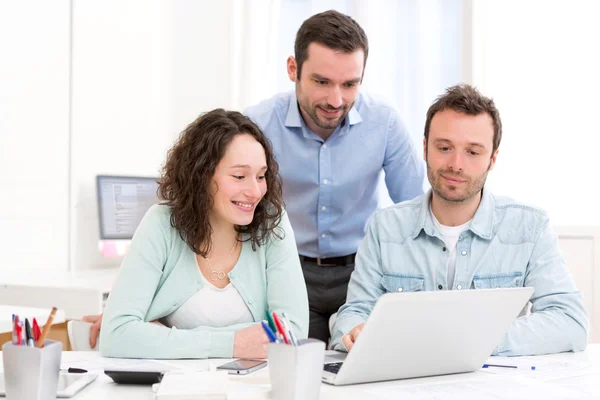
333, 367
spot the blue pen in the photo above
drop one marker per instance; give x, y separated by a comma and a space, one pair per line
532, 368
269, 332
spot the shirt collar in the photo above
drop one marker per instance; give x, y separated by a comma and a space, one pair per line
294, 118
481, 225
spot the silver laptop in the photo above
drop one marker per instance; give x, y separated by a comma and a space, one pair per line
418, 334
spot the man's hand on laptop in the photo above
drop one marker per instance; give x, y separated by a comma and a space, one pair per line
96, 321
349, 339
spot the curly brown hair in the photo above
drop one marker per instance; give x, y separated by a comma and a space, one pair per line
187, 177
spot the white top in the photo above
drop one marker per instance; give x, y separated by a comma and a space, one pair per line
211, 306
451, 235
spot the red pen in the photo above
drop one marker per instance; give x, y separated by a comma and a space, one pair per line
15, 339
36, 331
280, 328
19, 335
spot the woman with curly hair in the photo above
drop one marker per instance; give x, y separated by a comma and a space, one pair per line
216, 254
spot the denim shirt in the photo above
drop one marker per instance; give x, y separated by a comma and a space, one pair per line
508, 244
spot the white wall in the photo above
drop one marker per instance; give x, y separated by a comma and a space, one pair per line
539, 60
34, 133
142, 71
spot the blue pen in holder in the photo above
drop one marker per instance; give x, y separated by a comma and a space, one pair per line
31, 373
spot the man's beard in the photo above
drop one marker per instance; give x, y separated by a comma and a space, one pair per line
473, 186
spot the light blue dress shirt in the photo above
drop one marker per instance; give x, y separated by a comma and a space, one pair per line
508, 244
330, 186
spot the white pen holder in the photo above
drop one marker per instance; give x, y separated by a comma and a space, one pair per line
31, 373
296, 371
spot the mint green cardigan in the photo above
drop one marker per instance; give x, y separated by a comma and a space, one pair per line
160, 273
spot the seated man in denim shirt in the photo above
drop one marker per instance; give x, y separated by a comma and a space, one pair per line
460, 236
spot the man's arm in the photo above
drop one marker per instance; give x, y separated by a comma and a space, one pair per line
558, 321
404, 172
364, 288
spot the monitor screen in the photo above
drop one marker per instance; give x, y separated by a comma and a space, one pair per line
122, 203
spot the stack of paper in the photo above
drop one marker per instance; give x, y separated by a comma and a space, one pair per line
193, 385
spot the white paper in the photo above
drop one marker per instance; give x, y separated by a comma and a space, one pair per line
546, 368
182, 385
488, 389
134, 364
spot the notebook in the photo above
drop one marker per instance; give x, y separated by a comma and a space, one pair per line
192, 385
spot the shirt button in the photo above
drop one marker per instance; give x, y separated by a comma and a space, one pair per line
325, 181
440, 287
249, 301
443, 249
399, 290
323, 236
231, 275
323, 208
459, 287
324, 146
464, 252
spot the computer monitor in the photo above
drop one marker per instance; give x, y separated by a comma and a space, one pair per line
122, 203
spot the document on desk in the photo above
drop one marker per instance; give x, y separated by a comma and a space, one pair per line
133, 364
543, 368
498, 388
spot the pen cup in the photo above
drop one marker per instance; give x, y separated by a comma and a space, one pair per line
31, 373
296, 371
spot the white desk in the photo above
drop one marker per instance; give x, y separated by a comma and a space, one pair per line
40, 314
78, 293
104, 388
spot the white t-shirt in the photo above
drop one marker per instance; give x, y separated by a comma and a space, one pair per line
450, 235
211, 306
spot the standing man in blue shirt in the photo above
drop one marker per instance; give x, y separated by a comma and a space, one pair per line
332, 142
460, 236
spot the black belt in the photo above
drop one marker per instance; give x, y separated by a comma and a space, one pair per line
331, 261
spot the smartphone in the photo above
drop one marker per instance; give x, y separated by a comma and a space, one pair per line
243, 366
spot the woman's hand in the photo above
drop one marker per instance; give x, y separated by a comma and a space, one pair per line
96, 321
250, 342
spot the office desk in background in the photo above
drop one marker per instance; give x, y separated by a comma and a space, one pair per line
40, 314
77, 293
256, 385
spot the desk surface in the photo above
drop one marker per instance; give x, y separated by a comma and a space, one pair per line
104, 388
40, 314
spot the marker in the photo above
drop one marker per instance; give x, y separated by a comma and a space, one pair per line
271, 322
280, 328
531, 368
288, 327
269, 332
28, 334
15, 338
36, 331
74, 370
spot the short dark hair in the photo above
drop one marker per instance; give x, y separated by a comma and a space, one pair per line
468, 100
186, 179
332, 29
